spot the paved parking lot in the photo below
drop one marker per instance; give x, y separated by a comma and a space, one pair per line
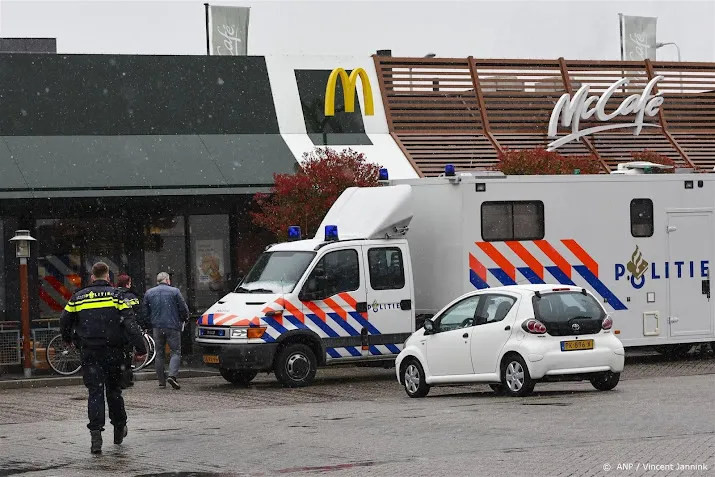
358, 421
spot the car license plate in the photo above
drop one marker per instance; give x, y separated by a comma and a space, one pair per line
576, 345
209, 332
208, 358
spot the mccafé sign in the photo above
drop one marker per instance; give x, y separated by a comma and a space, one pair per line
582, 106
349, 86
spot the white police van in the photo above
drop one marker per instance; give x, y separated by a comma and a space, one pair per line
387, 257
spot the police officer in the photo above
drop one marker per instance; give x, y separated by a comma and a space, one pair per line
124, 285
101, 318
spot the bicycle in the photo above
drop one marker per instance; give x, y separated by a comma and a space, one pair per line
65, 359
150, 353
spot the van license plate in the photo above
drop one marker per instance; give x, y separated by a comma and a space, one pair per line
576, 345
210, 359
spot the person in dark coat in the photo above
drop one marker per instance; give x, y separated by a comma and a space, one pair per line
101, 319
124, 285
166, 309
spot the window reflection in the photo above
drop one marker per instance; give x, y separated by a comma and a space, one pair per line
210, 259
165, 251
2, 275
67, 250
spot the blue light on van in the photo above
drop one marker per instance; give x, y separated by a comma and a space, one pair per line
383, 175
294, 233
449, 170
331, 233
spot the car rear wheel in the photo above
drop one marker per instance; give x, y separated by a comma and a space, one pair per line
605, 381
515, 377
237, 377
413, 376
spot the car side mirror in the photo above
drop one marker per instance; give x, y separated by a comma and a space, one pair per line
429, 326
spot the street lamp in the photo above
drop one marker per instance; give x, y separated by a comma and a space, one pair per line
23, 240
680, 73
428, 55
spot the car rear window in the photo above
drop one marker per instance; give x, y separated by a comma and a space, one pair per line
568, 313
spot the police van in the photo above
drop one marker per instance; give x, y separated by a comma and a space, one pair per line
385, 258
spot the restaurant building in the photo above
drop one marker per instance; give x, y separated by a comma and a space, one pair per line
150, 163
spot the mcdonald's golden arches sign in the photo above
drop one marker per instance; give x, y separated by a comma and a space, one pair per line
349, 86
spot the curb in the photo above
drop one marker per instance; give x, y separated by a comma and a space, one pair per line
45, 382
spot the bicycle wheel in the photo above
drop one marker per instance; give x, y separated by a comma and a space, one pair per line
138, 365
63, 359
152, 353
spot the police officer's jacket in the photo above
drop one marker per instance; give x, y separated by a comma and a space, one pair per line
100, 317
131, 297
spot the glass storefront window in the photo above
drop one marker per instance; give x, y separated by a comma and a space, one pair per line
67, 250
3, 313
210, 259
165, 251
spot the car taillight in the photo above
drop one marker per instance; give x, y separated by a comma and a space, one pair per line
607, 323
534, 327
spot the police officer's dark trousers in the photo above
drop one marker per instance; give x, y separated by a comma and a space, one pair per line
102, 373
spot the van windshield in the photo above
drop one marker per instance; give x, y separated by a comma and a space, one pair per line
276, 272
569, 313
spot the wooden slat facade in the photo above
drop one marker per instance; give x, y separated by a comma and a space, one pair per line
464, 111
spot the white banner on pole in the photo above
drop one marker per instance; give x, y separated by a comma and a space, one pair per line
637, 37
228, 30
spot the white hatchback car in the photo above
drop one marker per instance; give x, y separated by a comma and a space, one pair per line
512, 337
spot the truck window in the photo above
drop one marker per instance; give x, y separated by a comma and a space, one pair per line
642, 218
512, 220
386, 269
336, 272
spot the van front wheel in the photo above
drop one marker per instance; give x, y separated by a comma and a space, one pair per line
295, 366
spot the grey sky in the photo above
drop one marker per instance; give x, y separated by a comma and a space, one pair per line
575, 29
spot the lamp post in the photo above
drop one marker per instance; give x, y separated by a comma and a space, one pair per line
428, 55
23, 240
680, 73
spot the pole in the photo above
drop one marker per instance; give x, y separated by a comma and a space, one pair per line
680, 71
680, 68
25, 311
208, 44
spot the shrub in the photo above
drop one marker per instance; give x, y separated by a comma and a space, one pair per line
305, 197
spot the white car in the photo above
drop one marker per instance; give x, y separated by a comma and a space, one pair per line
511, 337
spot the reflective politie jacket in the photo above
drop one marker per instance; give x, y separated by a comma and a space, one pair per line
100, 317
131, 297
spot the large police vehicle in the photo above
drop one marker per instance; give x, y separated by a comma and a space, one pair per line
387, 257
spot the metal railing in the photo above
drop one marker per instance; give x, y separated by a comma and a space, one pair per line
10, 346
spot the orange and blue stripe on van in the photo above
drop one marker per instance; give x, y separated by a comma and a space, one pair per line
550, 261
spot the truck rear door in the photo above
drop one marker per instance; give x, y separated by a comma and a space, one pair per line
390, 313
690, 235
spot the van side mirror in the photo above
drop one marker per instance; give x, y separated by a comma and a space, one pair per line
429, 326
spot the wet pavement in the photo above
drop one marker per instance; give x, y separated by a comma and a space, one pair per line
358, 421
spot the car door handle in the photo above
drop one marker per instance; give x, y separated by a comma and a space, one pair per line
465, 335
507, 328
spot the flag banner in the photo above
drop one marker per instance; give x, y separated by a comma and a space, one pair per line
637, 38
228, 30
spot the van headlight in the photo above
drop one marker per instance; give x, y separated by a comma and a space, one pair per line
239, 333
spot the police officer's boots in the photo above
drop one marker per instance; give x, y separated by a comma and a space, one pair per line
96, 442
120, 432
